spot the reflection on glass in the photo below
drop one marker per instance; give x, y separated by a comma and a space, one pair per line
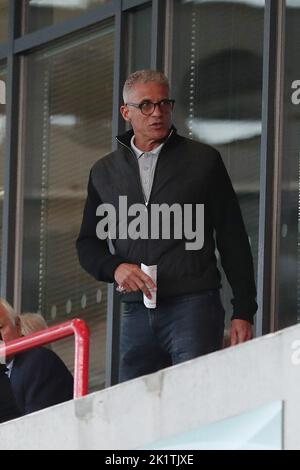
217, 83
289, 267
41, 13
68, 128
3, 20
2, 144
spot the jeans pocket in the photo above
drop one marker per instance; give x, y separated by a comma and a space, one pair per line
131, 308
127, 308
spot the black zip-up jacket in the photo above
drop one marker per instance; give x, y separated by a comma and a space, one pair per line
187, 172
8, 406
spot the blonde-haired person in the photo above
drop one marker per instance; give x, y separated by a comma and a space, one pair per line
8, 406
38, 377
27, 323
7, 312
32, 323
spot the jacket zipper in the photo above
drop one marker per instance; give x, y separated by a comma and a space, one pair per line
141, 186
145, 247
155, 171
139, 174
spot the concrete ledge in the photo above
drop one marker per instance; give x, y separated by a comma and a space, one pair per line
173, 401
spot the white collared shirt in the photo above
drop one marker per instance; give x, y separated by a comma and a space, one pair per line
147, 163
9, 367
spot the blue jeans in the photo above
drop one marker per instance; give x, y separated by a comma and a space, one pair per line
179, 329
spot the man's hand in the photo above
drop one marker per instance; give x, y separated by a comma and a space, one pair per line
241, 331
133, 279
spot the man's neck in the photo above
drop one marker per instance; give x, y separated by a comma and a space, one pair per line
148, 146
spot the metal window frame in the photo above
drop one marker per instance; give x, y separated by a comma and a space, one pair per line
157, 34
169, 32
4, 50
44, 36
131, 4
11, 155
270, 168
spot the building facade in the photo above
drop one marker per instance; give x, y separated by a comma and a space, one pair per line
235, 77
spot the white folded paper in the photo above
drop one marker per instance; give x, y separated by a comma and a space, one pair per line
151, 271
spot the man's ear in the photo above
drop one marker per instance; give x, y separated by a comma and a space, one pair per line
125, 113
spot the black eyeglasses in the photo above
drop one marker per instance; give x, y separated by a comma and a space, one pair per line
147, 107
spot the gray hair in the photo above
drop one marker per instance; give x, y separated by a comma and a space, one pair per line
143, 76
32, 323
9, 311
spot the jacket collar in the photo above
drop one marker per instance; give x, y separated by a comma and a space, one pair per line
125, 139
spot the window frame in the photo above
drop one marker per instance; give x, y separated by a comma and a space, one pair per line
270, 176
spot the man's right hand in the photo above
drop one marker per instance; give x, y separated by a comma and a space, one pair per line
133, 279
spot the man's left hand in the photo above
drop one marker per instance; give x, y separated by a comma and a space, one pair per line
241, 331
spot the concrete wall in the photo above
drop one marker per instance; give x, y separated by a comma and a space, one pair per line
173, 401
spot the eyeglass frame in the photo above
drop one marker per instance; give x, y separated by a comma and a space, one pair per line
158, 103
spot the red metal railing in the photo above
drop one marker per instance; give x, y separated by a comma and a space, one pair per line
79, 329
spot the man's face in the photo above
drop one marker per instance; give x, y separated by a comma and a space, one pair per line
8, 331
148, 128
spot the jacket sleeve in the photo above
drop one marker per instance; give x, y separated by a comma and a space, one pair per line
8, 406
47, 381
94, 255
232, 243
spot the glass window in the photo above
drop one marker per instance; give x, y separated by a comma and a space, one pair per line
289, 263
3, 20
140, 22
41, 13
68, 128
217, 83
2, 144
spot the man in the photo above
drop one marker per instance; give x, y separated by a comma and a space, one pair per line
155, 166
8, 406
38, 377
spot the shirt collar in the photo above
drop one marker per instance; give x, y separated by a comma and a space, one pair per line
9, 367
139, 152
